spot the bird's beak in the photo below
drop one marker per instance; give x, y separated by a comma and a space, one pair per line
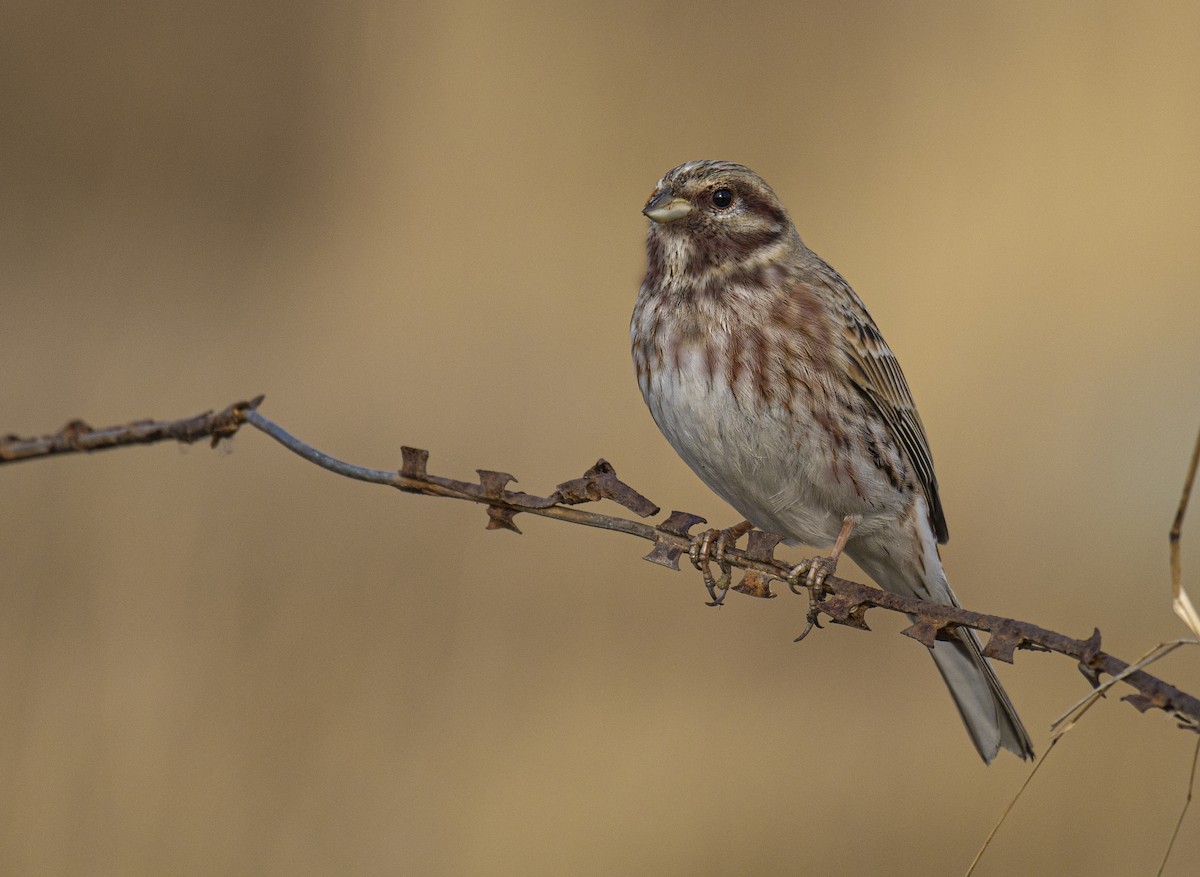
663, 206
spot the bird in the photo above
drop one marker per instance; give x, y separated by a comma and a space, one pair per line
763, 369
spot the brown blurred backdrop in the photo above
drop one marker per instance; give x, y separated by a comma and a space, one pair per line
418, 224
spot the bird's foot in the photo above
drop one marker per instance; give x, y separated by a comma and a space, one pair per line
809, 577
815, 571
709, 547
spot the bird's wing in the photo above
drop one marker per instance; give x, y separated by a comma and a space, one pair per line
877, 374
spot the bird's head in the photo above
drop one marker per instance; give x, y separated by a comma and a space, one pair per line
718, 201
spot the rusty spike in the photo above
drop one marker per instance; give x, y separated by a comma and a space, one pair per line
601, 467
857, 618
924, 631
493, 483
845, 610
664, 555
500, 518
601, 482
754, 584
1139, 702
1091, 648
678, 523
761, 545
414, 463
1001, 644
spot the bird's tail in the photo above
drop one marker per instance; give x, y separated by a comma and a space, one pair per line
986, 710
982, 702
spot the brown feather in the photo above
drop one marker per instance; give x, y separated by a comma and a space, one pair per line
877, 375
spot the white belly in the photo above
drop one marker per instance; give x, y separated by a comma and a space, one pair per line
777, 468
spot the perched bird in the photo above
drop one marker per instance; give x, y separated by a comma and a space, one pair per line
764, 370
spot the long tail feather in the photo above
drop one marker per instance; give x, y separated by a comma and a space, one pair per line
982, 702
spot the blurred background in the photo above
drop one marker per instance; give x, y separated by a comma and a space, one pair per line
418, 223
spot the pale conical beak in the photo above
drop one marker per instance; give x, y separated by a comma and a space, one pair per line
665, 207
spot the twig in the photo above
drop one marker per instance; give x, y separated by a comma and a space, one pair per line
1183, 607
77, 436
1180, 601
846, 602
1070, 719
1187, 802
987, 841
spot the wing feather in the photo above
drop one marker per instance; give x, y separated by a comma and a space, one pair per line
877, 374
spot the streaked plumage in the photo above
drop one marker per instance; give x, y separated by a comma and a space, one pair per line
766, 373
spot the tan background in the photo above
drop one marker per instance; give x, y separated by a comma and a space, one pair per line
419, 224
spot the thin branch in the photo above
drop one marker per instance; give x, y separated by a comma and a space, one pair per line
1187, 802
77, 436
845, 602
1180, 601
987, 841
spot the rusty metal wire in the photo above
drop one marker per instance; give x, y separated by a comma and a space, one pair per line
843, 601
77, 436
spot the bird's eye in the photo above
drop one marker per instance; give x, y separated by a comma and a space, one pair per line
722, 198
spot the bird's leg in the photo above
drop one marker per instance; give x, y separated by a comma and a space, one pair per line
816, 570
700, 554
726, 539
711, 545
823, 567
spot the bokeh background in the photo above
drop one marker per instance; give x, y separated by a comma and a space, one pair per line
418, 223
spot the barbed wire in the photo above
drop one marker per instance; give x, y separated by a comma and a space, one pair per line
841, 600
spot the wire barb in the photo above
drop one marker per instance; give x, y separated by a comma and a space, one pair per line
843, 601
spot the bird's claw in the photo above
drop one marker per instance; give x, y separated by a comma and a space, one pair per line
818, 569
813, 573
707, 548
793, 579
710, 547
812, 620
